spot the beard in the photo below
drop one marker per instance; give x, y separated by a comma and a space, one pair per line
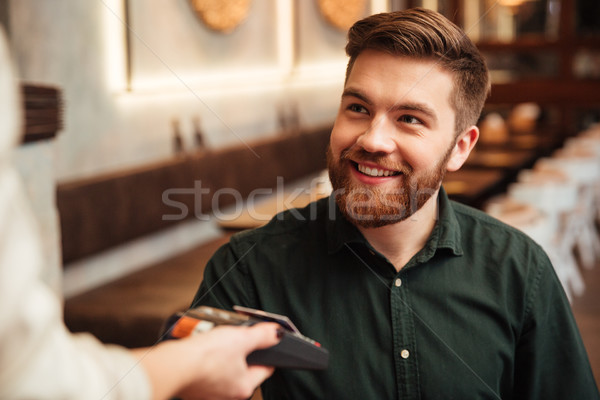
372, 206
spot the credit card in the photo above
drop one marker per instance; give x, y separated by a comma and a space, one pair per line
267, 317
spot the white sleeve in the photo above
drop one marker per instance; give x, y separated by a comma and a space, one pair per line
39, 357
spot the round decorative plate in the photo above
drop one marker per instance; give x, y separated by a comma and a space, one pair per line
342, 13
219, 15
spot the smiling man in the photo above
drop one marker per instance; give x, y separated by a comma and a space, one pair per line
392, 142
415, 296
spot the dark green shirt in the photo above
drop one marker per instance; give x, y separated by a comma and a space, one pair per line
478, 313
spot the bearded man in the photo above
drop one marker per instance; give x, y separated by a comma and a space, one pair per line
415, 296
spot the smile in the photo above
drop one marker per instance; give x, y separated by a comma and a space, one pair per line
376, 172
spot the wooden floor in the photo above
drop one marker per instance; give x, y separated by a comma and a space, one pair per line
587, 314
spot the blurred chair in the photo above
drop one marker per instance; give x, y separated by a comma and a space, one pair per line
582, 167
588, 141
540, 227
552, 193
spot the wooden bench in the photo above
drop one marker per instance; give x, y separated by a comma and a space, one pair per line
131, 311
100, 213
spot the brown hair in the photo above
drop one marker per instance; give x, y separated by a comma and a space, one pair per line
423, 33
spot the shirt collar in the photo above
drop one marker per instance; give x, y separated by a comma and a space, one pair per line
446, 233
339, 230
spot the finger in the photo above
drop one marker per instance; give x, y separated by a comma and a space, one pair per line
262, 335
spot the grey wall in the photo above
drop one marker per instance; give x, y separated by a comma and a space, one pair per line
283, 56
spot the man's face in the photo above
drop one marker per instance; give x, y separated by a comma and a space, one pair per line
392, 138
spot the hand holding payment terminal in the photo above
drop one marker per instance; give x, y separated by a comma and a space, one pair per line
293, 351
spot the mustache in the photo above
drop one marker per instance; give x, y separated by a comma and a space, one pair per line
361, 155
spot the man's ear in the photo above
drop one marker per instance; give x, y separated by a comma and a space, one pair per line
464, 144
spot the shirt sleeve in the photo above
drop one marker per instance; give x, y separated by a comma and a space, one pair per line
226, 280
39, 357
551, 361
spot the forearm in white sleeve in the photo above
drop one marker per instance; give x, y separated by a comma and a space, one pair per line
39, 357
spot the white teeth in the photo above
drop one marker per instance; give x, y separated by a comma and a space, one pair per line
374, 171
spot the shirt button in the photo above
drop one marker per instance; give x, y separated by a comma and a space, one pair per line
398, 282
404, 354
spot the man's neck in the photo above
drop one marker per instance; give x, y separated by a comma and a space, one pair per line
399, 242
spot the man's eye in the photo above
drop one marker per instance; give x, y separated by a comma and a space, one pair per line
409, 119
357, 108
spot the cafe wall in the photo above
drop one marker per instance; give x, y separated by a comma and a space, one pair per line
135, 72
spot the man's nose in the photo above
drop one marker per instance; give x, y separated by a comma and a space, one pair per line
378, 137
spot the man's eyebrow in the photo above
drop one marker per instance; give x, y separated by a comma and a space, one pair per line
349, 92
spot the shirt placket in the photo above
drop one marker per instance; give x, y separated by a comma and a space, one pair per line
404, 338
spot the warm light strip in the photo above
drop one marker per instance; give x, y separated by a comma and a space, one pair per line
209, 80
285, 35
115, 44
